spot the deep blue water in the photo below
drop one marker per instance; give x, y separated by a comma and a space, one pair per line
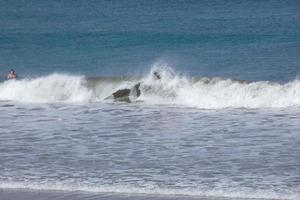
252, 40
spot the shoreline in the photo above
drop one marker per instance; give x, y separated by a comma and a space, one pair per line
29, 194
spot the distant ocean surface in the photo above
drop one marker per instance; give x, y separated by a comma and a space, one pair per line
223, 122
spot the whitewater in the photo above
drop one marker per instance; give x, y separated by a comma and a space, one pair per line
143, 151
182, 138
172, 89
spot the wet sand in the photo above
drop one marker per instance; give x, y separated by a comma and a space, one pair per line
20, 194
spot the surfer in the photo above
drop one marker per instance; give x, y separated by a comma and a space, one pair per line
135, 91
12, 74
136, 87
156, 76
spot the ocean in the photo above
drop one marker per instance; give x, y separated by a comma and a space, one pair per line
222, 121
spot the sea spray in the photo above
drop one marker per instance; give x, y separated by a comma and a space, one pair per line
47, 89
217, 93
171, 89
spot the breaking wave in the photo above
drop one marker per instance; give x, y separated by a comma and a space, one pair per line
52, 88
171, 89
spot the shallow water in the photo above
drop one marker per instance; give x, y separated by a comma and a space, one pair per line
133, 148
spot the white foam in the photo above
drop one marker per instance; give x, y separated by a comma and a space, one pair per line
48, 89
242, 193
58, 88
228, 93
219, 93
172, 89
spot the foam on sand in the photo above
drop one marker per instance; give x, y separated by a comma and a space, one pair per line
227, 193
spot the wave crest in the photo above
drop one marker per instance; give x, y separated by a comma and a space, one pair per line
171, 89
48, 89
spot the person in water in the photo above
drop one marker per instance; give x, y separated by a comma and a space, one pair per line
156, 76
12, 74
124, 94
